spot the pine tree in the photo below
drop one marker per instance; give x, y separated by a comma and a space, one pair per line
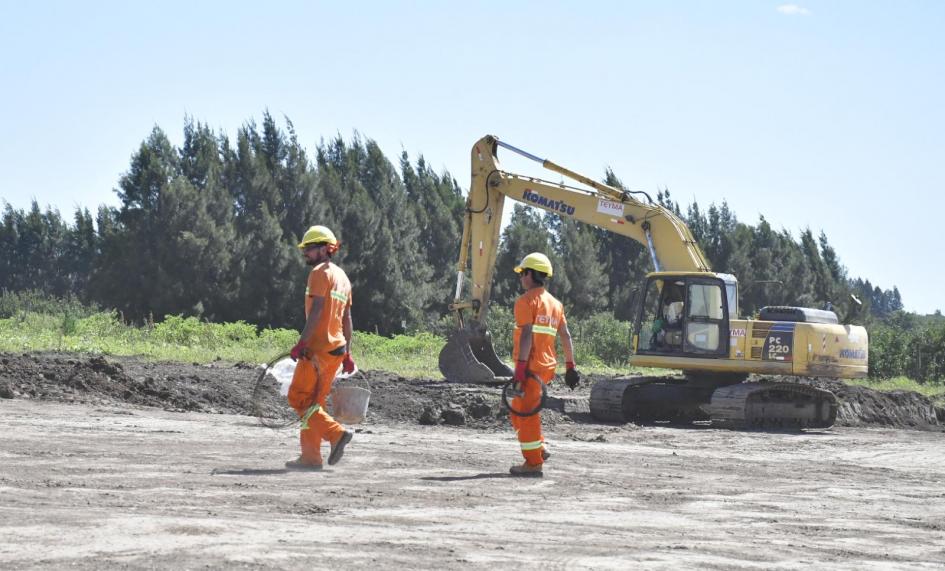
201, 228
821, 280
625, 263
82, 248
404, 280
270, 271
134, 260
525, 233
8, 248
438, 207
585, 276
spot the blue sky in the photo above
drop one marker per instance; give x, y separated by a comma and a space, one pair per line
828, 115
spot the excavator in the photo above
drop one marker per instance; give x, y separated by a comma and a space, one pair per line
686, 315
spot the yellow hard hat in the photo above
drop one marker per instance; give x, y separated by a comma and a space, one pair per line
535, 261
318, 235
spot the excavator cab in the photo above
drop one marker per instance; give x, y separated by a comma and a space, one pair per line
685, 315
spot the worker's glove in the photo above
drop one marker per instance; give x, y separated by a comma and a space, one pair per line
520, 371
518, 379
571, 377
299, 350
347, 366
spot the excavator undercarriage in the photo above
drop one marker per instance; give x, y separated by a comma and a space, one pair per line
756, 405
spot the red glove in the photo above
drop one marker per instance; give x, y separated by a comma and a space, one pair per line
347, 366
520, 371
569, 365
299, 350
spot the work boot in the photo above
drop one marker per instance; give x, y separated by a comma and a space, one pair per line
338, 448
303, 465
526, 470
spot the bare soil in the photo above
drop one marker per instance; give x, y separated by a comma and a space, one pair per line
122, 463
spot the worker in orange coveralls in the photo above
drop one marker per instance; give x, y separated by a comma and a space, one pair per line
539, 319
323, 347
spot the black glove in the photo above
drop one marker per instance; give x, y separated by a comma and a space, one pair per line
572, 378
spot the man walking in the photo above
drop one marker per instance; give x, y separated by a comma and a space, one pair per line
539, 319
325, 344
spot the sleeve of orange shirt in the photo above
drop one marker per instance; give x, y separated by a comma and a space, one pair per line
318, 286
524, 312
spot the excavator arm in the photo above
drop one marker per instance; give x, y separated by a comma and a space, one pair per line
469, 355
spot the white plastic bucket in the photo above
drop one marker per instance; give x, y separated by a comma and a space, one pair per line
349, 404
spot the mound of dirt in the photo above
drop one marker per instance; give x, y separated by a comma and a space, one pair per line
860, 406
228, 388
113, 380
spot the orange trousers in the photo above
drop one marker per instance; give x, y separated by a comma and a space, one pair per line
308, 392
528, 428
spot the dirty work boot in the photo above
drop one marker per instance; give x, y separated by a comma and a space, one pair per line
338, 448
526, 470
299, 464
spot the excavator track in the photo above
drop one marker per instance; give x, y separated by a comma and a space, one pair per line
772, 406
644, 400
767, 406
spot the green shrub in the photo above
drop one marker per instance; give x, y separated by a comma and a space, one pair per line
100, 325
501, 324
601, 339
238, 332
905, 348
16, 303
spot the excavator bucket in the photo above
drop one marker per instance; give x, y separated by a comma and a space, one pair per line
468, 357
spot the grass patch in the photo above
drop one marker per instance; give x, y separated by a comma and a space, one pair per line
599, 343
174, 339
935, 391
405, 355
189, 340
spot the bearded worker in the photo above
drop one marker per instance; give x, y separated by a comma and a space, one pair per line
323, 347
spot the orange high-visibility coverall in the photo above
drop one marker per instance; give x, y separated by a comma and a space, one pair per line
545, 314
315, 374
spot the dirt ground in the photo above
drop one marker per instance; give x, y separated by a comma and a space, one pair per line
119, 463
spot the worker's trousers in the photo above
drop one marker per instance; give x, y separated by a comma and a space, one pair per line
308, 392
528, 428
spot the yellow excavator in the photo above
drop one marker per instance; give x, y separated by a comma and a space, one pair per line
687, 315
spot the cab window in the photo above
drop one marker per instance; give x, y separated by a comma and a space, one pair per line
706, 319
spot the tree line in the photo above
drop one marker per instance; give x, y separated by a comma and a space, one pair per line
210, 228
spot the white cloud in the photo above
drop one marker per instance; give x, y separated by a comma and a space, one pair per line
793, 10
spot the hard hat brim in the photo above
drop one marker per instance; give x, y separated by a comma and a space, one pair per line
520, 269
